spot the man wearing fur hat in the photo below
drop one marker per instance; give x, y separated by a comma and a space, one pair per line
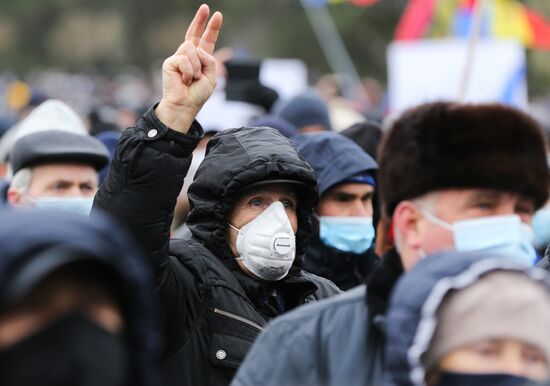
462, 177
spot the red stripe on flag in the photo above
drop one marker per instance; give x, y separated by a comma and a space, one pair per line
415, 19
539, 28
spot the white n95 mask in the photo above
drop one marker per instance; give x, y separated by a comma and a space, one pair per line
267, 244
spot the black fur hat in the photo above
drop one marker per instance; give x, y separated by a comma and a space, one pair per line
448, 145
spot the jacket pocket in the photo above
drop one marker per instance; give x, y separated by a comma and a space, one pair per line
232, 337
228, 350
240, 319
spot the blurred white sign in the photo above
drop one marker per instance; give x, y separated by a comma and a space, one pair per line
287, 76
431, 70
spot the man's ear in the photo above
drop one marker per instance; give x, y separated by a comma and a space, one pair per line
15, 197
406, 225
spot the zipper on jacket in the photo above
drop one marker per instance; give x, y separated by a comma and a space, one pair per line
231, 315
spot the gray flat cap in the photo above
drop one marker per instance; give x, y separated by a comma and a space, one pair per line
57, 146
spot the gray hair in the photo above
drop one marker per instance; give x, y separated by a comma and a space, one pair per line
21, 181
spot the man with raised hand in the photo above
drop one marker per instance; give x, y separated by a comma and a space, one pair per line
240, 263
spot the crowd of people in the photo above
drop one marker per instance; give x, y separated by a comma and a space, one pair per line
296, 250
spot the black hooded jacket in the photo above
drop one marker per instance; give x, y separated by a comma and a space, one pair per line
212, 311
24, 235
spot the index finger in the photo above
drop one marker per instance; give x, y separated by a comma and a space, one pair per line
210, 35
196, 28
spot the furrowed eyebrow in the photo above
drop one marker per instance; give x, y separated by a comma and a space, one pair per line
62, 182
344, 195
367, 195
486, 195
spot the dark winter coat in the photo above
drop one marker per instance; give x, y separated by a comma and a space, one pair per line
25, 234
418, 296
339, 341
212, 311
335, 159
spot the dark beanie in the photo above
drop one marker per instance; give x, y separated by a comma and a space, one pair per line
285, 128
306, 109
365, 134
443, 145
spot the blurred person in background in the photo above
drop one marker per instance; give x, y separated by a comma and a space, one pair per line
471, 319
110, 140
240, 263
182, 207
341, 111
285, 127
367, 135
341, 248
76, 306
451, 176
308, 112
54, 163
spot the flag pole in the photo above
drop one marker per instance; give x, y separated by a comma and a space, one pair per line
473, 40
332, 46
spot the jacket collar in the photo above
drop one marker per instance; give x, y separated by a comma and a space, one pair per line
381, 283
293, 289
341, 267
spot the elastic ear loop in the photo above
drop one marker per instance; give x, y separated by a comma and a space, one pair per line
240, 258
437, 221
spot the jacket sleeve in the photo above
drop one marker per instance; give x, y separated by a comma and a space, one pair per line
141, 189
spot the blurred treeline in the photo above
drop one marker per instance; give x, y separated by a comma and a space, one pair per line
104, 35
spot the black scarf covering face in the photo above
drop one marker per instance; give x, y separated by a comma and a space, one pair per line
72, 351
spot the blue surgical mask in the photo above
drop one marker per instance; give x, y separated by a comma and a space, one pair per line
541, 227
347, 234
81, 205
448, 378
505, 235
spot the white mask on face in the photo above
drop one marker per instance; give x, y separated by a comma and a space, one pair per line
506, 235
267, 244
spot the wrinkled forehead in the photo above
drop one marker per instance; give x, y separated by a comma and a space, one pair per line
275, 188
65, 168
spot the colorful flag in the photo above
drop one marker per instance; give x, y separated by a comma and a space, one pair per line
501, 19
358, 3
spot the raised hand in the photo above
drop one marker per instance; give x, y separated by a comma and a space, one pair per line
189, 76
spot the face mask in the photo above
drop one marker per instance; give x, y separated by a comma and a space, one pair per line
80, 205
267, 245
505, 235
348, 234
463, 379
541, 228
72, 351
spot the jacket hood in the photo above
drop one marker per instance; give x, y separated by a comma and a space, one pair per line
26, 235
334, 158
235, 159
411, 317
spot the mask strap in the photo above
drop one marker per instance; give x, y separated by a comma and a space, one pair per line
435, 220
239, 258
237, 229
421, 253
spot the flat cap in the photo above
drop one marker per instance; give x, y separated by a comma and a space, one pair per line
51, 146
